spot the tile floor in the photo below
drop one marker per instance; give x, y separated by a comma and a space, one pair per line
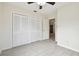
40, 48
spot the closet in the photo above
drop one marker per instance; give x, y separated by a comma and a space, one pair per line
26, 29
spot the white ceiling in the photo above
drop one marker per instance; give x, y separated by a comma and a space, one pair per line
47, 8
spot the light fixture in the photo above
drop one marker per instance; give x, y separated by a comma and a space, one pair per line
41, 3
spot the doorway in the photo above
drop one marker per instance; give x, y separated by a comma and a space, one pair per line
52, 29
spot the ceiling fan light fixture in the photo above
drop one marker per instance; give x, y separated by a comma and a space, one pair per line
41, 3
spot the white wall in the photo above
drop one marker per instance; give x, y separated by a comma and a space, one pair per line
45, 28
1, 26
67, 32
53, 15
6, 40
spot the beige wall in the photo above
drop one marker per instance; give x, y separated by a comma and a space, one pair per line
67, 32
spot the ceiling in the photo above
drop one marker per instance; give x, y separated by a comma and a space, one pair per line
47, 8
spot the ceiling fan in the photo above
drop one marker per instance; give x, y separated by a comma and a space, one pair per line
41, 4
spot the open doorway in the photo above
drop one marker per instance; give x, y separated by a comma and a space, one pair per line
52, 29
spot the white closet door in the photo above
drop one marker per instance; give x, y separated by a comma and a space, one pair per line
26, 30
35, 29
20, 30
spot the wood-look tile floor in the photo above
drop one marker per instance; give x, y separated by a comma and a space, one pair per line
40, 48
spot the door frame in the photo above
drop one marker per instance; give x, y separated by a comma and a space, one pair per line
49, 26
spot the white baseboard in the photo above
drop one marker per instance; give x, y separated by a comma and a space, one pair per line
65, 46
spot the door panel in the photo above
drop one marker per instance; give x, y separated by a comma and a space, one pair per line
36, 29
26, 29
20, 29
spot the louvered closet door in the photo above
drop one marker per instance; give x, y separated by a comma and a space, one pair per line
26, 30
35, 29
20, 30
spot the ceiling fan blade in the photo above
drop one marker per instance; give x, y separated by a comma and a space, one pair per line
30, 2
52, 3
40, 7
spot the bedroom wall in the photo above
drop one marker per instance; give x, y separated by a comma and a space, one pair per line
1, 26
67, 32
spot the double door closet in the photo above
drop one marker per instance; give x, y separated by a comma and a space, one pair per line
25, 29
